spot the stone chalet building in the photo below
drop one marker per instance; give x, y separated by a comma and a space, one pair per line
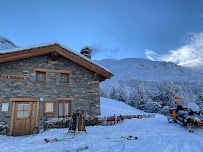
47, 81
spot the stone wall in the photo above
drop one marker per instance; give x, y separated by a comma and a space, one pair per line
82, 87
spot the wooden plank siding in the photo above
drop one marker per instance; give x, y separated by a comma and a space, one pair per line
37, 115
12, 119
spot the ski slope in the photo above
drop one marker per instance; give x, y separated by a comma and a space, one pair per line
110, 107
154, 134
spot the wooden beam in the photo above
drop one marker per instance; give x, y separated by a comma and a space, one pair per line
24, 99
1, 99
54, 56
96, 75
26, 54
82, 62
66, 99
53, 62
52, 70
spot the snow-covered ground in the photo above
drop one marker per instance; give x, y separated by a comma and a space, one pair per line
110, 107
154, 134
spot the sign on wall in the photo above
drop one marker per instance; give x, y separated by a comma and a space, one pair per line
4, 106
13, 77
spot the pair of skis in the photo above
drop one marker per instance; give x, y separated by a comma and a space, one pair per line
61, 140
78, 149
46, 141
124, 138
53, 140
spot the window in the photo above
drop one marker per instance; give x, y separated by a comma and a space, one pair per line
4, 106
33, 110
23, 111
64, 78
40, 76
64, 108
49, 106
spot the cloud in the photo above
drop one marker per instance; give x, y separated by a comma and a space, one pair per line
151, 55
189, 55
98, 52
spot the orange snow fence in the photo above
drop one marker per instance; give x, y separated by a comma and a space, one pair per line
112, 120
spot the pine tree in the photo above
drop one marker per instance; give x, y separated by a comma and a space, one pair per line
121, 96
141, 96
112, 93
103, 93
132, 99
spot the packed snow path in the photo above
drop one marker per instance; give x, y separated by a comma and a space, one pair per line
155, 135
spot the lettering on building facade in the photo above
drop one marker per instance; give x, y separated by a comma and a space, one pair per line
13, 77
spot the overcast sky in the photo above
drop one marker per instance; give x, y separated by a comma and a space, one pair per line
114, 28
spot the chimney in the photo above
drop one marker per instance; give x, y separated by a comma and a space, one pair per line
86, 51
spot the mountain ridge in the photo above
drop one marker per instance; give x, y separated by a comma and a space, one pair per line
145, 69
6, 43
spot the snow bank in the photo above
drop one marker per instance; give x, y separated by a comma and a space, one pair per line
110, 107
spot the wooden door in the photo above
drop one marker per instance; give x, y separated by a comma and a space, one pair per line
33, 116
24, 118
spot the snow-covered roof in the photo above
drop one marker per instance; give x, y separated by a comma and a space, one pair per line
85, 58
19, 49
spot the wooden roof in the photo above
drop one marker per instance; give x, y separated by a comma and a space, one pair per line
47, 48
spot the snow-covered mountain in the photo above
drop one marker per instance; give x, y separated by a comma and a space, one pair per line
149, 70
6, 44
151, 85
